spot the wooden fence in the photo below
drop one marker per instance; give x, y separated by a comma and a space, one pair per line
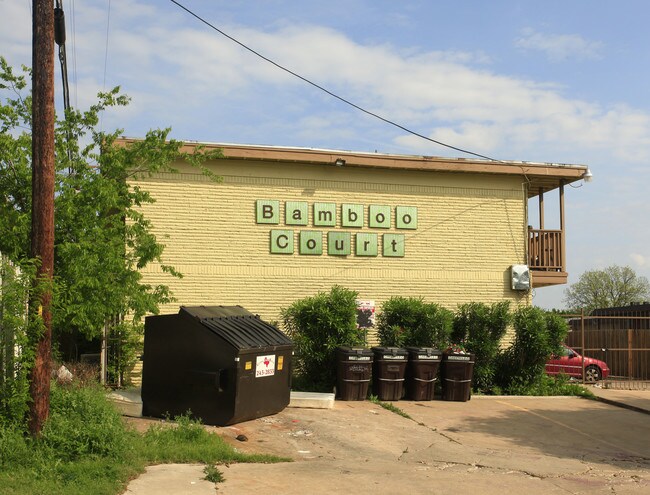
623, 342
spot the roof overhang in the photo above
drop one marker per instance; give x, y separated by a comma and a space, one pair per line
541, 177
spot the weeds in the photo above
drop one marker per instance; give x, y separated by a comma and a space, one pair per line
389, 407
548, 385
85, 448
213, 474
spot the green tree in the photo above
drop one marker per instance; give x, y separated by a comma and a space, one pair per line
481, 327
611, 287
538, 335
318, 325
102, 240
409, 321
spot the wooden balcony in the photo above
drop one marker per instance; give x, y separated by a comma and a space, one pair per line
546, 257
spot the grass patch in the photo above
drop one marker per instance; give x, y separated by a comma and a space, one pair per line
86, 448
389, 407
213, 474
548, 385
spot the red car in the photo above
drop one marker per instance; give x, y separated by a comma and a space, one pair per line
570, 363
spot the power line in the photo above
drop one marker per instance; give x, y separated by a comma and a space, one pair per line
340, 98
59, 38
71, 3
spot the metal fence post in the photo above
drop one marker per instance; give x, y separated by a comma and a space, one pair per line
582, 337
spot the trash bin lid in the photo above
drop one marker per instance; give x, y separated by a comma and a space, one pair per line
354, 350
354, 353
458, 357
237, 326
390, 352
416, 353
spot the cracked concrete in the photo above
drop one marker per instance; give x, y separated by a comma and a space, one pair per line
486, 446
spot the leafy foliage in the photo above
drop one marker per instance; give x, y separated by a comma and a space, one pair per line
102, 239
412, 322
538, 335
83, 423
611, 287
545, 385
85, 448
480, 327
318, 325
17, 332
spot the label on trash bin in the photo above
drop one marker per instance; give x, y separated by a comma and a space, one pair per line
357, 368
265, 366
397, 358
429, 358
358, 358
458, 358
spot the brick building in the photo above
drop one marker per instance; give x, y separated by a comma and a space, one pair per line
286, 223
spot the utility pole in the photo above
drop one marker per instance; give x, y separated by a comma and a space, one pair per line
42, 245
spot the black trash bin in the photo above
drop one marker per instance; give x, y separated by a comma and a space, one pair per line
457, 372
388, 372
422, 372
222, 363
353, 372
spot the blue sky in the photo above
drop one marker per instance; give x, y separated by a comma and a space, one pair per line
551, 81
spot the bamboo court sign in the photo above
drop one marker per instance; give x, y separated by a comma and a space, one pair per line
353, 228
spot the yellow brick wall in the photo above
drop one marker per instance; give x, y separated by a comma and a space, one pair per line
471, 229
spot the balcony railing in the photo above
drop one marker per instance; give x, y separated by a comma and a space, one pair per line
545, 250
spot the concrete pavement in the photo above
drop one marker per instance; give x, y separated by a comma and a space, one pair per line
487, 445
635, 400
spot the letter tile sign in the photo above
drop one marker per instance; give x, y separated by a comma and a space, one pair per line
367, 240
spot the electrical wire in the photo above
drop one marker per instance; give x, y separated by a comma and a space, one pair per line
59, 38
334, 95
74, 53
59, 35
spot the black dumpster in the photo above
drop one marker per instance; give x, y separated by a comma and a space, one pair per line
353, 372
422, 372
388, 371
457, 371
222, 363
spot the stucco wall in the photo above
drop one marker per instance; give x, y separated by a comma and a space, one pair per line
471, 228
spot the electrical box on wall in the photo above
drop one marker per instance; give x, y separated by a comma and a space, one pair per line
520, 275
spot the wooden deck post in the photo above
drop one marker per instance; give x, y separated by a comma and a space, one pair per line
563, 241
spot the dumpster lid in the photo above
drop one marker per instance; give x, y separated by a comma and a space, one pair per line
237, 326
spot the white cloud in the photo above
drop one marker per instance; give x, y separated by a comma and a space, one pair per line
559, 47
180, 72
640, 260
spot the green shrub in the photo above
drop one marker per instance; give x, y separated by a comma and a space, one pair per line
15, 447
78, 454
480, 327
83, 423
17, 331
318, 325
412, 322
545, 385
538, 334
